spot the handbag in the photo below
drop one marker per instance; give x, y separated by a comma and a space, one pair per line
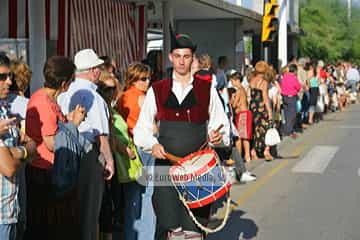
127, 169
68, 152
272, 137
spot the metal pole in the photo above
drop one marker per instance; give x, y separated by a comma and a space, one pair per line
349, 10
283, 46
266, 53
168, 17
265, 47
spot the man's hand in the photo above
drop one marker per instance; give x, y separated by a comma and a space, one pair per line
6, 124
77, 115
158, 151
109, 169
215, 137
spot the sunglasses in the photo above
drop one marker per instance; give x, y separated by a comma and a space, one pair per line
144, 79
4, 76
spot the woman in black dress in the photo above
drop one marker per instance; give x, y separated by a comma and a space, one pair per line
262, 114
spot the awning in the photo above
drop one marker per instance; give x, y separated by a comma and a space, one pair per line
203, 10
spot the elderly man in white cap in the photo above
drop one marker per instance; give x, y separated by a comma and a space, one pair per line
98, 163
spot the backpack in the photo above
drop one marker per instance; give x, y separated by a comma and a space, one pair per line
69, 149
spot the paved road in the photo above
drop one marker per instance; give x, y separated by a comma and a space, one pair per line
313, 193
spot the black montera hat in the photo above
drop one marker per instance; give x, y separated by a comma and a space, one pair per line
181, 41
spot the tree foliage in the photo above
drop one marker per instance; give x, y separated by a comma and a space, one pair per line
328, 33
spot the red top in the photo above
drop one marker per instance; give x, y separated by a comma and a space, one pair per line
129, 108
42, 115
322, 73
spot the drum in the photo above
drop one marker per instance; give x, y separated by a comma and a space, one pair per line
199, 178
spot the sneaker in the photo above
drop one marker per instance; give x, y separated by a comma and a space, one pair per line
247, 177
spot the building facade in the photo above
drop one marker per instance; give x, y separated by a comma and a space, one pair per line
36, 30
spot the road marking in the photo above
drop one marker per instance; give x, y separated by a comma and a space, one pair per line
316, 160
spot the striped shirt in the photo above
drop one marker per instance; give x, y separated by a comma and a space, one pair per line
9, 187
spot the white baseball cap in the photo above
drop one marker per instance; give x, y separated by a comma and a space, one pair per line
86, 59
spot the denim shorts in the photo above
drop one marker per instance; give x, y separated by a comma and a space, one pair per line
8, 231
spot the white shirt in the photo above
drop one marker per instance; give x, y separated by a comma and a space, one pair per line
353, 75
83, 92
213, 81
143, 131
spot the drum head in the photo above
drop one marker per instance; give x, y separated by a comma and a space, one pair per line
195, 164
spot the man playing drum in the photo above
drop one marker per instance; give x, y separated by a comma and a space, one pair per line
188, 111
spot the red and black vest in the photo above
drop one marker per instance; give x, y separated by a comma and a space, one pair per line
194, 108
183, 126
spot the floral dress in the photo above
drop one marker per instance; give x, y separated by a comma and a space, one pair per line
260, 120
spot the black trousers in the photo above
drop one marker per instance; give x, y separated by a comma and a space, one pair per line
90, 190
171, 213
290, 114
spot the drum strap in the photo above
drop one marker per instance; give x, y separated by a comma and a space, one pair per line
197, 223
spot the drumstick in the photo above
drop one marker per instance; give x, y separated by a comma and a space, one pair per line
219, 128
172, 157
207, 141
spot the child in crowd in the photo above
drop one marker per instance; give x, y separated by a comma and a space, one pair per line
242, 115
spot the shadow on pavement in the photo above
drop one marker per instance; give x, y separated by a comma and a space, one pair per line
236, 228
